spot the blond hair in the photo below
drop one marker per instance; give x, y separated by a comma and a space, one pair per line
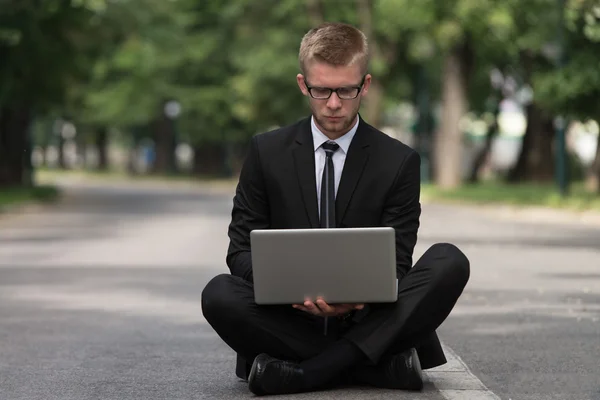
336, 44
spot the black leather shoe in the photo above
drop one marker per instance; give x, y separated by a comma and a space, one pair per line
400, 371
269, 375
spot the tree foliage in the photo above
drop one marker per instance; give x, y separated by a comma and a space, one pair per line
232, 65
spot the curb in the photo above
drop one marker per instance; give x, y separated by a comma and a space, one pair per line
455, 381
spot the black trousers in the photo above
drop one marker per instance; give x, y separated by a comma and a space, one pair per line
426, 296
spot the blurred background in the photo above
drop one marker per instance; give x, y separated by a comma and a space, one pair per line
500, 97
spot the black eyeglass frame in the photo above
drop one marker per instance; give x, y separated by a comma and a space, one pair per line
357, 88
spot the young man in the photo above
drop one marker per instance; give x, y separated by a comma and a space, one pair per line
376, 182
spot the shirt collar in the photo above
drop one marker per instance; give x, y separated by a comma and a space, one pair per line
344, 142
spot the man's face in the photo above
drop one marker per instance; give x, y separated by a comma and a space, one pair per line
334, 115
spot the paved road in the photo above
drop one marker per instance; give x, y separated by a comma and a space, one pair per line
99, 299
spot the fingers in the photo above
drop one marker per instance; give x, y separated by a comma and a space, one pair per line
324, 307
312, 307
308, 307
300, 307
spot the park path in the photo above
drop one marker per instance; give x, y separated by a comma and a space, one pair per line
100, 299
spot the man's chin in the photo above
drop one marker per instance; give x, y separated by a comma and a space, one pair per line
336, 125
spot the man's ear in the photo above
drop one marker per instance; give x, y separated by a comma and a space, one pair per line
366, 84
302, 84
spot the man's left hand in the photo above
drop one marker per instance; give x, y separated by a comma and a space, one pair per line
322, 309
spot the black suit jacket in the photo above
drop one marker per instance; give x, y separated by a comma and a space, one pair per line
379, 186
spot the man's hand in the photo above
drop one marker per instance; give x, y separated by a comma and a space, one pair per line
322, 309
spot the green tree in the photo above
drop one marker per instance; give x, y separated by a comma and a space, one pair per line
573, 90
533, 47
43, 48
135, 74
457, 37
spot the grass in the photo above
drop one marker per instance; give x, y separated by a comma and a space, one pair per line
541, 195
20, 195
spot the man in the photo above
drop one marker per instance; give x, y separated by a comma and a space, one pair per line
376, 182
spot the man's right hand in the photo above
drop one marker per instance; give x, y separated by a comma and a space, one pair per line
322, 309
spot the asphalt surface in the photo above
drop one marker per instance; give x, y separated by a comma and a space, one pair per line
100, 299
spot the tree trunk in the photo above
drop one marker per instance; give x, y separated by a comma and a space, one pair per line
62, 162
101, 141
209, 159
315, 12
43, 155
14, 143
484, 153
374, 104
592, 182
374, 100
448, 151
163, 139
536, 161
82, 149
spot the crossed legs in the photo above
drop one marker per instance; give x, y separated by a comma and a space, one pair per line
426, 296
249, 329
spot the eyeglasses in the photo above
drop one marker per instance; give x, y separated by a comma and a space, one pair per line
344, 93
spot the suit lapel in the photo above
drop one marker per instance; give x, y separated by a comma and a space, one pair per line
304, 161
356, 159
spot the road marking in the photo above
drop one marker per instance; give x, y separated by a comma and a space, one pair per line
455, 381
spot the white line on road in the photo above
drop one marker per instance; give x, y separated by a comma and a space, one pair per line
455, 381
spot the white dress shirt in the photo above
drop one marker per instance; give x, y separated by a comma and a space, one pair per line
339, 157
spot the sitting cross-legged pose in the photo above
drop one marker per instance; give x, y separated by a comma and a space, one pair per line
375, 180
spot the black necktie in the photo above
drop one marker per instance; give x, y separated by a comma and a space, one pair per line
328, 187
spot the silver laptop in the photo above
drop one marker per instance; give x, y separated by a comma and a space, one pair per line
343, 265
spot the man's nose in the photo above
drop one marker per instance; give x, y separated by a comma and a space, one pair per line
334, 101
